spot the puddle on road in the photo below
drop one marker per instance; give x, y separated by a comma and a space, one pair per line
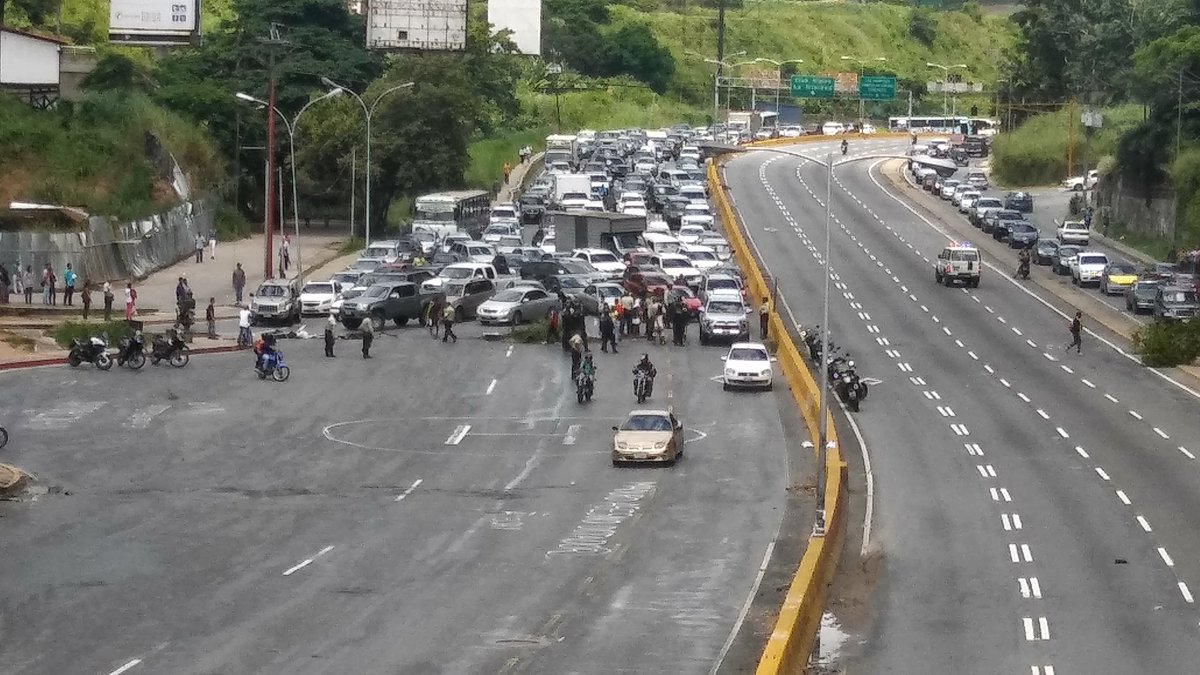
833, 639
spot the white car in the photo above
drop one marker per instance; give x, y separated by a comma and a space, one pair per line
748, 364
690, 233
594, 205
677, 265
968, 200
791, 132
703, 258
504, 213
1088, 268
634, 210
697, 214
1081, 183
722, 286
602, 259
317, 297
1074, 232
495, 231
508, 244
867, 129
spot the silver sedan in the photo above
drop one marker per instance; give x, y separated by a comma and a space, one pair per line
517, 305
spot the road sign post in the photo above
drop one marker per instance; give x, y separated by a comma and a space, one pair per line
877, 88
810, 86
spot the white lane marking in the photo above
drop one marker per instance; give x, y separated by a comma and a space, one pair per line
127, 666
1144, 523
1044, 628
1111, 398
1004, 382
492, 386
1044, 670
459, 433
1049, 356
1043, 414
1021, 395
305, 563
1014, 553
1011, 522
1187, 595
1030, 588
1160, 432
919, 381
1135, 414
1066, 368
986, 471
509, 352
973, 449
1028, 623
1082, 452
924, 309
989, 369
883, 342
1001, 319
410, 489
1004, 495
1100, 472
904, 367
1162, 552
572, 432
946, 330
959, 343
1062, 432
1088, 384
989, 309
972, 355
912, 297
142, 418
1186, 452
1031, 343
946, 411
1124, 498
960, 429
1017, 331
737, 625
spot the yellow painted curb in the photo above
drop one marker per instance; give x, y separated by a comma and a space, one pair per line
787, 649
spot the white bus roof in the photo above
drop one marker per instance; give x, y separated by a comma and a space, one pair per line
451, 196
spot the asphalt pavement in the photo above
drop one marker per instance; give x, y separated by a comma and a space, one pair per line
441, 508
1031, 505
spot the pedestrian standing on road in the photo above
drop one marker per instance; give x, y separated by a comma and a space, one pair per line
108, 301
85, 296
210, 315
329, 336
200, 242
130, 301
552, 324
212, 245
433, 317
5, 283
239, 282
27, 284
181, 289
448, 323
69, 280
245, 337
1076, 328
679, 324
608, 330
368, 336
764, 317
507, 168
47, 276
626, 313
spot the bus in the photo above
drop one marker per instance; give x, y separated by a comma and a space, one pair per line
453, 211
971, 126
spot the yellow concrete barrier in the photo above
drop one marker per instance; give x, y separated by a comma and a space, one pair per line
787, 649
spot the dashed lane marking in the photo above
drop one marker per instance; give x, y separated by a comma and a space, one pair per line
1124, 498
459, 433
1162, 552
129, 664
1030, 588
305, 563
410, 489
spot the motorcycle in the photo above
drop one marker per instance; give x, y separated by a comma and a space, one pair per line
133, 351
812, 338
850, 387
1022, 270
170, 347
641, 385
94, 351
271, 365
585, 386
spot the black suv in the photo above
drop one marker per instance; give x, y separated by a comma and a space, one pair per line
1019, 201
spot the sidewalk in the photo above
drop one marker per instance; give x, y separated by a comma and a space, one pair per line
515, 185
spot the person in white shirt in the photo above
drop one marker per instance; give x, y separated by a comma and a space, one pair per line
244, 336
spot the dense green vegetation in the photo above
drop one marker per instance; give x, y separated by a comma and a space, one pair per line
1036, 152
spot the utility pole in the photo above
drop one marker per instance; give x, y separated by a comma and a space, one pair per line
353, 186
1179, 114
720, 60
1071, 139
271, 42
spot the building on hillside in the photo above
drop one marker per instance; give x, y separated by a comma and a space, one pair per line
42, 69
356, 6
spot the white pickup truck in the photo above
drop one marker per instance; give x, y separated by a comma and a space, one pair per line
468, 270
1074, 232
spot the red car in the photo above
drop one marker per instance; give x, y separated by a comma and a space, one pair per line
691, 303
647, 282
638, 258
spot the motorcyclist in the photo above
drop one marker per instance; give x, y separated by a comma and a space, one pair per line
266, 346
588, 367
576, 345
845, 146
645, 366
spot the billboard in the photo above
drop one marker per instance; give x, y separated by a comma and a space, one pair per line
523, 18
154, 22
422, 25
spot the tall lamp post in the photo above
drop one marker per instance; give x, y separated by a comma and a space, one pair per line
778, 75
945, 82
369, 112
716, 79
861, 61
291, 129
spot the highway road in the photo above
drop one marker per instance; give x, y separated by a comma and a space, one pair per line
438, 509
1033, 506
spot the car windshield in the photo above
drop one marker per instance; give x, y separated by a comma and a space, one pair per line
723, 283
421, 235
457, 272
510, 241
988, 203
725, 308
271, 291
1146, 286
511, 295
962, 255
498, 229
655, 280
1008, 215
747, 354
377, 291
609, 291
570, 282
1179, 296
576, 267
346, 277
377, 252
674, 263
479, 250
1067, 251
646, 423
455, 289
604, 258
1093, 260
1024, 227
504, 213
319, 287
1121, 269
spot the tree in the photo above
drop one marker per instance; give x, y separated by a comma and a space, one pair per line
638, 53
922, 25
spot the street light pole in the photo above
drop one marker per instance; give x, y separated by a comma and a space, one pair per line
716, 79
945, 83
778, 77
368, 112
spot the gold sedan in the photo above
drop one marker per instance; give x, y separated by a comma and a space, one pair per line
652, 436
1117, 277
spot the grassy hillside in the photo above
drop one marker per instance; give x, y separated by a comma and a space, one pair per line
1035, 153
821, 33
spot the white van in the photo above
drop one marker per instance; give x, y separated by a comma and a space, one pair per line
662, 243
833, 128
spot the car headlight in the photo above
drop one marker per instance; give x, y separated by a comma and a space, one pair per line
660, 445
765, 372
729, 372
621, 445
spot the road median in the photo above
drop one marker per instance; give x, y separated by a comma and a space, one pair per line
788, 648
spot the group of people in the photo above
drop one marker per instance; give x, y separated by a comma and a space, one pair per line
48, 284
203, 242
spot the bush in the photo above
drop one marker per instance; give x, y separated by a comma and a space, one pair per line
530, 333
1168, 344
64, 333
1035, 153
922, 26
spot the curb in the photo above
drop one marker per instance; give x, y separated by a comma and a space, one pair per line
12, 480
62, 360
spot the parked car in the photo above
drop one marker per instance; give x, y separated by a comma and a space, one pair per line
981, 208
466, 296
990, 222
1081, 183
1020, 234
602, 294
317, 297
1066, 255
1074, 232
399, 301
724, 319
1117, 277
1045, 251
1019, 201
517, 305
276, 300
650, 283
1087, 267
1160, 271
1175, 303
1140, 295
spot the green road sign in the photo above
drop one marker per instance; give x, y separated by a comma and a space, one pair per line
809, 86
876, 88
